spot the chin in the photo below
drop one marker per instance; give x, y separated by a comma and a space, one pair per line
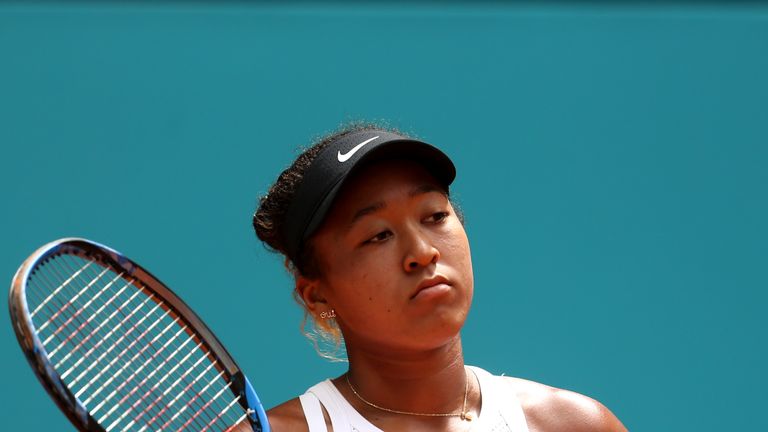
439, 329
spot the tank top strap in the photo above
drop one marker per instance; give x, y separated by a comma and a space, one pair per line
344, 417
326, 392
313, 412
501, 409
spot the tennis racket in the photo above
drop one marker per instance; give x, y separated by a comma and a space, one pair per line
119, 351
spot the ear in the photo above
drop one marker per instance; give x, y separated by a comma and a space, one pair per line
311, 293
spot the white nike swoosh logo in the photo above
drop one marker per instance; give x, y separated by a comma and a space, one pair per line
344, 157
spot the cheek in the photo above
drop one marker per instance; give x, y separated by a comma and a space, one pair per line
457, 243
460, 255
356, 289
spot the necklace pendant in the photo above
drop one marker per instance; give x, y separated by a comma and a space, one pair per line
467, 416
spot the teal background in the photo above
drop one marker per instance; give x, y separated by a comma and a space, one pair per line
612, 168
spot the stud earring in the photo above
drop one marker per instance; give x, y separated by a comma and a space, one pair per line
327, 315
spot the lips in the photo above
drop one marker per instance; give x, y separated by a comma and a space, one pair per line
432, 282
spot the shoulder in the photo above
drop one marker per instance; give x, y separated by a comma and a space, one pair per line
288, 416
551, 409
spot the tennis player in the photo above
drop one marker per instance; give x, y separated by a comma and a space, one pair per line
382, 265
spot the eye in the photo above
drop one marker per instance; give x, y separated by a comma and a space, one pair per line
378, 238
438, 217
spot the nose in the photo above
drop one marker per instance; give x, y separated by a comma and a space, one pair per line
420, 253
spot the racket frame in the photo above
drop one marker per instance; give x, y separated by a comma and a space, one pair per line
37, 356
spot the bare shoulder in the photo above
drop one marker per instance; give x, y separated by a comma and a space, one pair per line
288, 416
551, 409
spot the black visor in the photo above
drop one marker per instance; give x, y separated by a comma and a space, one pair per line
324, 178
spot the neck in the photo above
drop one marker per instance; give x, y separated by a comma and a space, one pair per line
430, 381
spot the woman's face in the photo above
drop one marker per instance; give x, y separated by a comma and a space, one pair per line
395, 260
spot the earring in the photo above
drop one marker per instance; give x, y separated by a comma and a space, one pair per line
326, 315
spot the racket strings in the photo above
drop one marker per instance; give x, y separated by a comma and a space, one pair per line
79, 311
96, 363
110, 365
83, 341
158, 351
100, 357
70, 302
165, 392
59, 288
149, 396
197, 413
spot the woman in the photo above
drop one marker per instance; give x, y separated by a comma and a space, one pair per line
380, 257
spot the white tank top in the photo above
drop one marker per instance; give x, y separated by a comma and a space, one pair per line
500, 410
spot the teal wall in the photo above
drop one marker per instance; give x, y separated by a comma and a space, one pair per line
612, 168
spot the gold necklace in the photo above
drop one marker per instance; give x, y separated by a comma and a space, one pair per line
463, 414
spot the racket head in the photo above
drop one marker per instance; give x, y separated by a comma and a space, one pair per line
30, 316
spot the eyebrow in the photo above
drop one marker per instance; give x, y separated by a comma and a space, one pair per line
379, 205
